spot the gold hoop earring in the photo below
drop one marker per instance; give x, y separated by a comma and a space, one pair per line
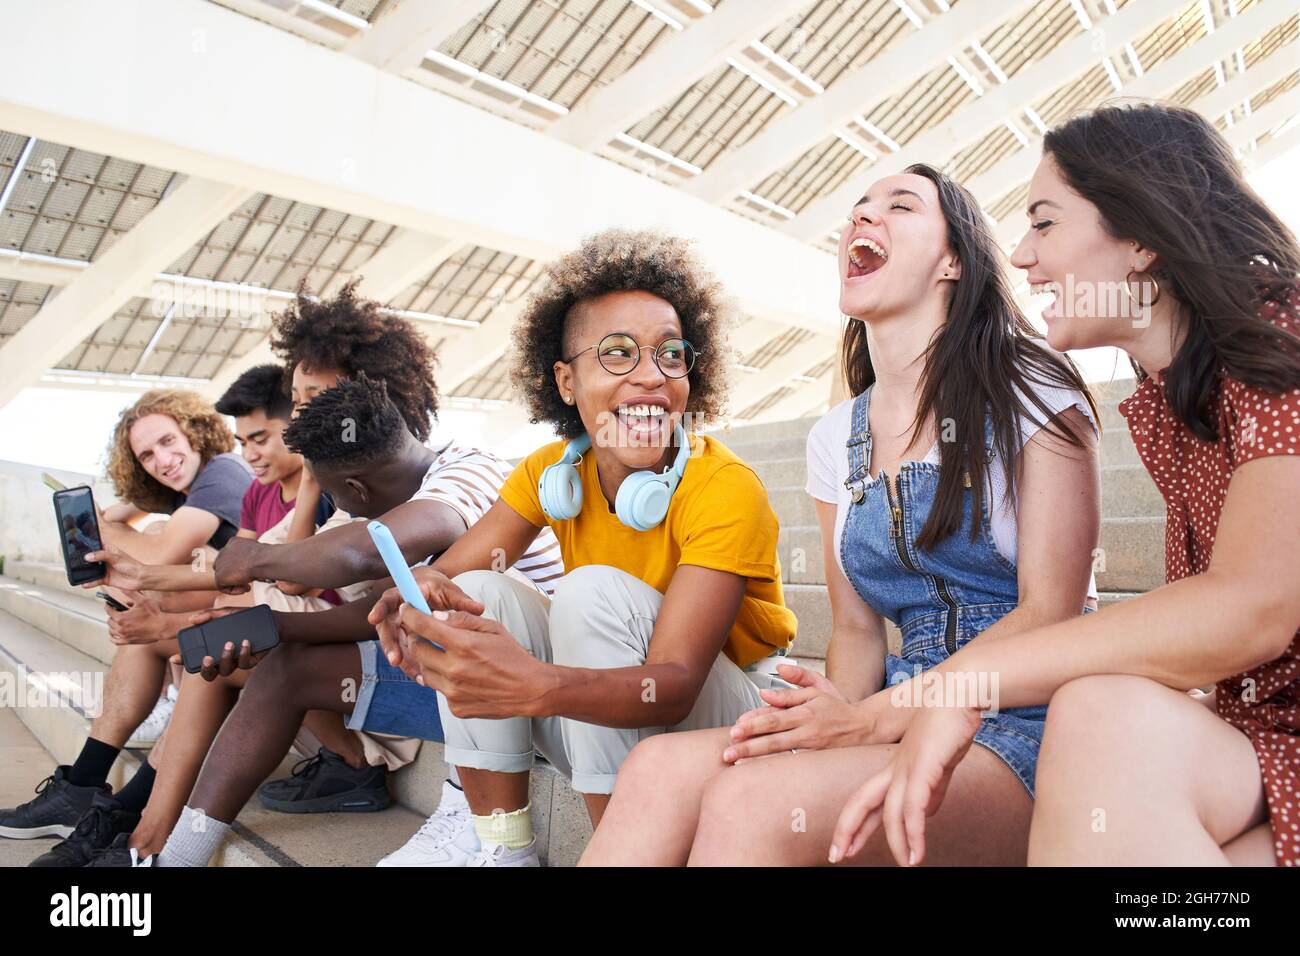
1128, 279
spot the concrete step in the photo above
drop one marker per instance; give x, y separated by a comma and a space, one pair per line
55, 690
780, 440
791, 429
73, 618
1117, 448
766, 450
1127, 491
782, 472
1130, 557
812, 606
52, 576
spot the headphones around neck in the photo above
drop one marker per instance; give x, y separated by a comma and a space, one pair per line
643, 497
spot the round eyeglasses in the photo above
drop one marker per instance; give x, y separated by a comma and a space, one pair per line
619, 353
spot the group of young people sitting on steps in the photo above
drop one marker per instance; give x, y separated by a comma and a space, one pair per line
614, 602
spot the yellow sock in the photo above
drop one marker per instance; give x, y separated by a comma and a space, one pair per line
514, 829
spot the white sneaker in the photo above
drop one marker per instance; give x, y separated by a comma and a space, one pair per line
147, 734
496, 854
447, 838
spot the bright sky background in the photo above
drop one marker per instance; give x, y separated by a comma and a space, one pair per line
69, 428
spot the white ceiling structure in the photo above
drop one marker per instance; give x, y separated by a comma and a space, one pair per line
171, 170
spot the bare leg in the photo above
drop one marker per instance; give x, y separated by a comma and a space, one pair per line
1135, 773
201, 708
291, 680
131, 690
1252, 848
781, 810
330, 730
659, 789
491, 791
596, 804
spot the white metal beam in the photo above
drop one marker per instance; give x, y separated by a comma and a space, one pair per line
470, 354
779, 371
1020, 167
165, 233
399, 39
808, 399
404, 259
259, 108
1274, 148
965, 127
1167, 76
672, 66
887, 74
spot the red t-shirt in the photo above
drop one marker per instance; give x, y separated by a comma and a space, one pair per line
264, 508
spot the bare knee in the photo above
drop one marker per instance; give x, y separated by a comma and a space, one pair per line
280, 673
1104, 705
650, 766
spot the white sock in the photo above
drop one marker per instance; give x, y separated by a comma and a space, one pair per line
193, 840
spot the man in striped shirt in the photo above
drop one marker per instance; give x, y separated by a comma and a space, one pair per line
354, 439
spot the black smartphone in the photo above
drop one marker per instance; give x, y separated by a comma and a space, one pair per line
255, 625
111, 601
74, 510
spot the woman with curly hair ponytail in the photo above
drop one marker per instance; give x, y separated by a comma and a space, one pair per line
670, 614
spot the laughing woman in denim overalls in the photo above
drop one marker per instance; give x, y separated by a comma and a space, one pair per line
968, 525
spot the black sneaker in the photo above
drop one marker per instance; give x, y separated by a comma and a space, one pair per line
57, 809
96, 830
116, 853
326, 784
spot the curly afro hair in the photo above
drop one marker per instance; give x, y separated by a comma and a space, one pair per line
621, 260
354, 336
206, 429
351, 425
261, 386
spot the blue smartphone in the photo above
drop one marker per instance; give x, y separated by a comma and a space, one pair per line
397, 569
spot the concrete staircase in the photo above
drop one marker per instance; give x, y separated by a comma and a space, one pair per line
57, 634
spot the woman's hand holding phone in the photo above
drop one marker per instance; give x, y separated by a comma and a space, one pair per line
441, 593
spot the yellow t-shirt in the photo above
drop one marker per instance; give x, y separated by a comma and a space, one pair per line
719, 518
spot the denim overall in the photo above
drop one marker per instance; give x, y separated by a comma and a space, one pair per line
940, 599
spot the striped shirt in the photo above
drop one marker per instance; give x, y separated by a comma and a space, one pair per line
468, 481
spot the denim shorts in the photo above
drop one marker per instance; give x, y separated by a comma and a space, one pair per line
1013, 735
389, 702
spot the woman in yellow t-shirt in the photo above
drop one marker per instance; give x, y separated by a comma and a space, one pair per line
669, 615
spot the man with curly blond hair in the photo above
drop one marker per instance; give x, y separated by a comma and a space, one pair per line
171, 453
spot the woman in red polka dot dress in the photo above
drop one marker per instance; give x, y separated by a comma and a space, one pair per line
1145, 231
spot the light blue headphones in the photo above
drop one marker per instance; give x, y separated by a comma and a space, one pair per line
642, 500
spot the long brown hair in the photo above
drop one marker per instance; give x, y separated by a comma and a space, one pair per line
985, 357
1165, 177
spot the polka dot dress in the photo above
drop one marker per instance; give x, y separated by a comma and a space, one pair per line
1193, 477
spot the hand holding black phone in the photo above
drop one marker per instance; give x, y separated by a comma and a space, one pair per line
78, 524
254, 624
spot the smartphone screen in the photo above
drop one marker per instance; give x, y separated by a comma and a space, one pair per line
74, 510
